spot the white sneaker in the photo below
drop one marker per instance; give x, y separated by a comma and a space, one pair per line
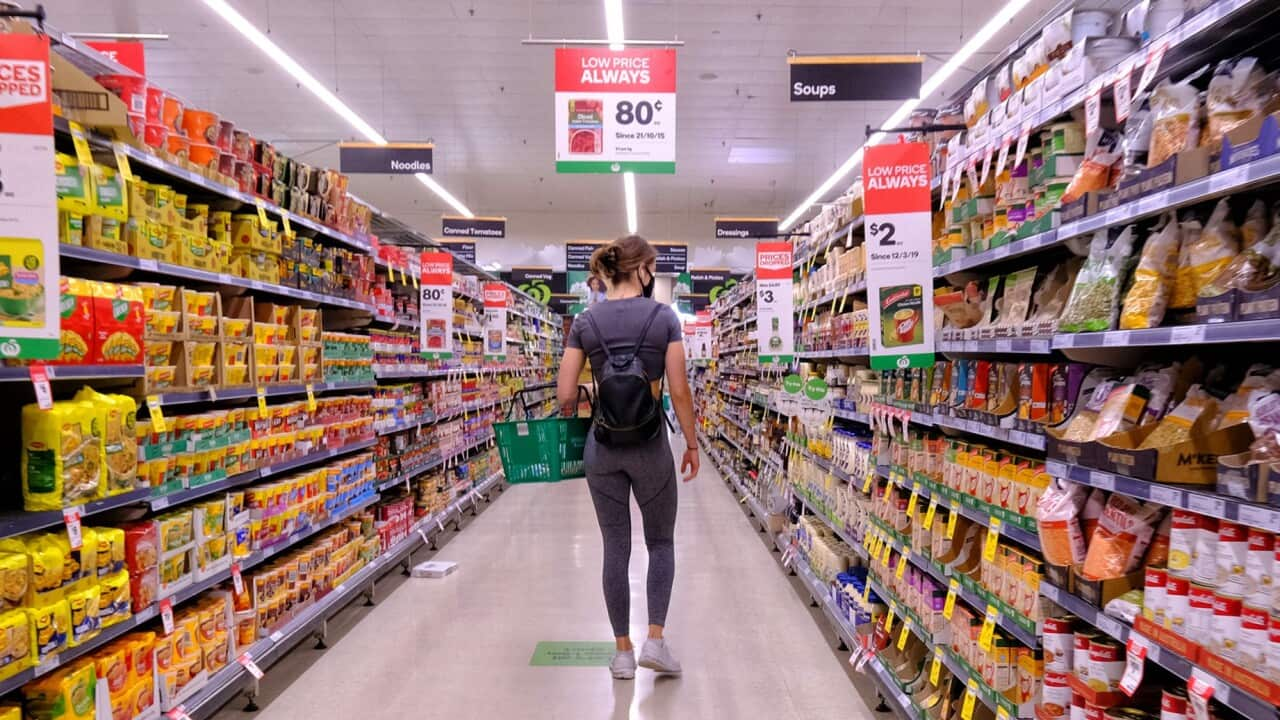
623, 665
656, 655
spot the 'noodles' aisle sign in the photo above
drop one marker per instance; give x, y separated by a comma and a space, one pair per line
895, 181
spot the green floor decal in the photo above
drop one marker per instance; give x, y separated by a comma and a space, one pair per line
572, 654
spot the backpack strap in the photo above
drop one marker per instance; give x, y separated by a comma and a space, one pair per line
657, 308
596, 329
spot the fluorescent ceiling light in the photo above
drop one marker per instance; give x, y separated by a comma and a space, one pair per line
613, 24
899, 116
629, 189
118, 36
307, 80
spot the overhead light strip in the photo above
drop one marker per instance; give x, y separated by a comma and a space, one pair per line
307, 80
629, 189
930, 86
613, 24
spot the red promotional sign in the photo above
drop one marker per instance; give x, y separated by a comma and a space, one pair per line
25, 105
773, 261
601, 70
896, 178
437, 268
495, 295
129, 53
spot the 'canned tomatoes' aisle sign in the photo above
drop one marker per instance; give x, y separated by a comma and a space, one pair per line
29, 270
615, 110
435, 305
775, 306
895, 183
496, 299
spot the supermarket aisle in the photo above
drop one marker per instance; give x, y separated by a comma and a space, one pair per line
529, 571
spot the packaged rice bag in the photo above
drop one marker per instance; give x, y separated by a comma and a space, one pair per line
1124, 531
1148, 295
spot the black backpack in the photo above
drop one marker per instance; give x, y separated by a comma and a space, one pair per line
624, 411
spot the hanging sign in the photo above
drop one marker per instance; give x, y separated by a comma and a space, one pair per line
388, 159
496, 300
702, 336
711, 282
895, 178
615, 110
673, 258
577, 255
486, 227
540, 283
435, 305
775, 310
29, 269
746, 228
129, 53
855, 77
464, 251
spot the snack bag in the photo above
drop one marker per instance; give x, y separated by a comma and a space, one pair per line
1060, 533
1124, 531
1237, 93
15, 643
67, 694
1148, 295
115, 603
85, 610
76, 333
15, 578
61, 456
118, 324
50, 627
1184, 280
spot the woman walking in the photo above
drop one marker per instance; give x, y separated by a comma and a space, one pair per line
629, 336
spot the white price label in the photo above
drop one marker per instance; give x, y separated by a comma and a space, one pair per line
1123, 90
276, 636
40, 381
237, 579
246, 660
166, 615
1259, 517
1004, 346
1154, 57
986, 165
1166, 496
1102, 480
71, 517
1093, 108
1207, 505
1135, 663
1187, 334
1200, 689
1115, 337
178, 713
1021, 151
1003, 158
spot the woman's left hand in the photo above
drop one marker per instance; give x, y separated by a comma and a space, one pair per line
690, 464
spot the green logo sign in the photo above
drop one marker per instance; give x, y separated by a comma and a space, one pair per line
792, 384
538, 290
815, 388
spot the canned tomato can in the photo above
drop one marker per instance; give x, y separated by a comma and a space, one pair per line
1106, 664
1259, 567
1255, 636
1204, 557
1177, 595
1199, 612
1059, 643
1183, 527
1154, 595
1173, 703
1232, 552
1224, 633
1055, 694
1077, 706
1080, 653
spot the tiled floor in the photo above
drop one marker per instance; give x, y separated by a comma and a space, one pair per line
529, 570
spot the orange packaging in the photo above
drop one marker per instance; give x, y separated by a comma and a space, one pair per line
118, 324
1124, 531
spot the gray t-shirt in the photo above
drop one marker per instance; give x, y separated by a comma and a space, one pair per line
621, 322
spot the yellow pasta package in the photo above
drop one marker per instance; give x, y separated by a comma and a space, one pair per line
115, 601
67, 694
15, 643
10, 712
85, 621
50, 626
61, 456
47, 563
15, 579
119, 437
110, 551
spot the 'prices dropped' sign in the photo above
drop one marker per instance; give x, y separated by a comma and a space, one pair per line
615, 110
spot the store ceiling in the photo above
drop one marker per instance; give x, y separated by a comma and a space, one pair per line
456, 73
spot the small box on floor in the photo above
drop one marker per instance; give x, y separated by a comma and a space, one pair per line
434, 569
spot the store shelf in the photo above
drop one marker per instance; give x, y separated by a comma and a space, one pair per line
1250, 331
401, 427
1024, 346
1015, 249
844, 232
747, 372
861, 351
246, 393
1204, 503
853, 415
1232, 696
180, 272
18, 522
1009, 522
402, 372
854, 289
1021, 438
160, 502
75, 372
404, 477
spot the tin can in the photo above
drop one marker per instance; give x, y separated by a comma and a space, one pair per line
1259, 566
1182, 541
1173, 703
1056, 695
1273, 648
1232, 551
1059, 642
1094, 712
1199, 613
1154, 595
1177, 596
1224, 634
1106, 664
1255, 635
1080, 653
1077, 706
1204, 556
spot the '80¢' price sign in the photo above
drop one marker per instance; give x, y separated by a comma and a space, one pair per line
775, 307
435, 305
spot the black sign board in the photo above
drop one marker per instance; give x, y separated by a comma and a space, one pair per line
541, 283
746, 228
483, 227
855, 77
577, 256
694, 303
391, 159
672, 258
563, 304
462, 250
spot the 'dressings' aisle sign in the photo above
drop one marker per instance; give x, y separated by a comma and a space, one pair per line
895, 182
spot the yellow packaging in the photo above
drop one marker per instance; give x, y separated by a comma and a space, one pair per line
196, 251
141, 695
50, 626
108, 194
10, 712
16, 647
120, 443
15, 578
85, 620
61, 456
141, 655
112, 665
115, 602
110, 551
64, 695
75, 188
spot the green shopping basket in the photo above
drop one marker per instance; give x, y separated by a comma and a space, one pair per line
545, 450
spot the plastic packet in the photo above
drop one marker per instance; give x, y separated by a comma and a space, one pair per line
1235, 96
1126, 607
1091, 511
1148, 295
1135, 144
1184, 280
1216, 247
1175, 109
1160, 383
1095, 172
1094, 302
1264, 420
1057, 511
1124, 531
1256, 225
1178, 425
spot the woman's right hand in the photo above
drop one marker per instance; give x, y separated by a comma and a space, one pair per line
690, 463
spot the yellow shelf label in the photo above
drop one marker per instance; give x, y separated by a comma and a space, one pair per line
262, 399
83, 153
992, 541
902, 636
911, 502
970, 696
987, 635
122, 163
949, 606
262, 211
311, 398
157, 417
928, 514
935, 667
952, 517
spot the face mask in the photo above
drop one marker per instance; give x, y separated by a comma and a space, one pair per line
647, 288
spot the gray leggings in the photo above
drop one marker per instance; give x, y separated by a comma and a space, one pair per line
650, 472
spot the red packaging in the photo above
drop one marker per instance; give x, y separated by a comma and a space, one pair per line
131, 89
117, 324
155, 104
137, 125
144, 588
981, 383
156, 136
